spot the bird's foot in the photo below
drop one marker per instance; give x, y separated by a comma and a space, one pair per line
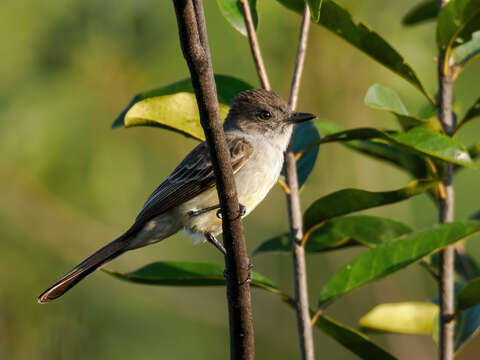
193, 213
249, 276
242, 211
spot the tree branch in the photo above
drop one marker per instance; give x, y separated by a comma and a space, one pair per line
293, 199
302, 306
446, 203
194, 42
252, 37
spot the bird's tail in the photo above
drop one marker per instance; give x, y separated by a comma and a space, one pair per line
86, 267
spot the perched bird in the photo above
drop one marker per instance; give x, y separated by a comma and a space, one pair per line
257, 129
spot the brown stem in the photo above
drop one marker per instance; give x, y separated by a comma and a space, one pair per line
446, 203
304, 322
252, 37
194, 43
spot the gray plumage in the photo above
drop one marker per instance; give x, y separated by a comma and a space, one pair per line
257, 128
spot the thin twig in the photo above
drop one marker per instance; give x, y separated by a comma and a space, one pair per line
304, 322
431, 270
447, 256
252, 37
194, 42
293, 198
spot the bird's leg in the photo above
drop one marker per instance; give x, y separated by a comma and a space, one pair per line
242, 208
193, 213
213, 240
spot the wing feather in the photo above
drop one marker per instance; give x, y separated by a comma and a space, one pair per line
192, 176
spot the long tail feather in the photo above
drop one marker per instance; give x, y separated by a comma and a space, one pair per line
86, 267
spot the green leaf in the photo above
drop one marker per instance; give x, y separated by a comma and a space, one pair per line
171, 273
174, 106
351, 200
414, 163
345, 231
417, 139
351, 339
457, 21
471, 114
295, 5
384, 98
413, 317
468, 52
424, 11
315, 9
176, 273
469, 296
393, 256
304, 135
338, 20
467, 326
232, 11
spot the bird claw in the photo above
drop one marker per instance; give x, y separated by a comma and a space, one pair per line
247, 280
242, 211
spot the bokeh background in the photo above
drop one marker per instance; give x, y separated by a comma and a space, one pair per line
69, 184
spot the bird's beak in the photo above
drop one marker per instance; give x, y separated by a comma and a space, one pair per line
298, 117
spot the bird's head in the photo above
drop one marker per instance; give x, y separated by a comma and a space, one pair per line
263, 112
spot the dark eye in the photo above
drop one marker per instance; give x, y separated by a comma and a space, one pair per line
265, 115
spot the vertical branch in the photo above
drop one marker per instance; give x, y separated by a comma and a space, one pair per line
255, 48
293, 199
447, 256
304, 323
194, 43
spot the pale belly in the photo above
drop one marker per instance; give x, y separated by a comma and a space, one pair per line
254, 180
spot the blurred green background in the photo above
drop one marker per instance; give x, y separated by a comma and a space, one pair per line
69, 184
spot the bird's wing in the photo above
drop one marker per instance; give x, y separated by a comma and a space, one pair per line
192, 176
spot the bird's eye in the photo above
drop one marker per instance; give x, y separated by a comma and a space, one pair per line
265, 115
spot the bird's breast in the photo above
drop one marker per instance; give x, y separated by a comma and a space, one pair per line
253, 181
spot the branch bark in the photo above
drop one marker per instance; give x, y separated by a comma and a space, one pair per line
447, 256
254, 47
304, 323
194, 43
302, 306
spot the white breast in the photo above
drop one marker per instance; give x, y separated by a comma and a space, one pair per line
254, 180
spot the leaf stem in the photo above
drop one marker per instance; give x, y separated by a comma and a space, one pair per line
195, 48
430, 269
446, 203
254, 46
304, 321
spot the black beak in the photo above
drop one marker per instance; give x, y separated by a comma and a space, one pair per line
298, 117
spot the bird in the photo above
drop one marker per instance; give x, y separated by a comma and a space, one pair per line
257, 129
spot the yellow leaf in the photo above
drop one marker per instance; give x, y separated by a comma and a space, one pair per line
413, 317
177, 111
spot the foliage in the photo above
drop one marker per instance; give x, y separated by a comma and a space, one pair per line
420, 148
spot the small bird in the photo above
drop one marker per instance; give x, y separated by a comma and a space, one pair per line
257, 129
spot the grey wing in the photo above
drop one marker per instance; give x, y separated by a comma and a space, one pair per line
193, 176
